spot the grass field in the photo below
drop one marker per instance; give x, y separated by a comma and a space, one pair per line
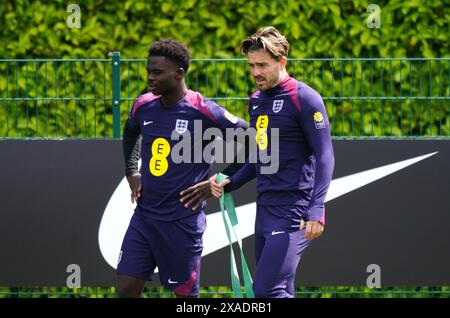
225, 292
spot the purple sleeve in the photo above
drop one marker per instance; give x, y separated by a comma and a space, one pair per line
316, 127
131, 141
241, 177
223, 118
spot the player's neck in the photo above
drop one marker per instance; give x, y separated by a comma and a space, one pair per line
171, 99
281, 78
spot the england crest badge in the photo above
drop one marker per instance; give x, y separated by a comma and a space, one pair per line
181, 126
277, 105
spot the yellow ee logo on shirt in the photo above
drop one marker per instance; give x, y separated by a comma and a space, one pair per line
160, 151
261, 131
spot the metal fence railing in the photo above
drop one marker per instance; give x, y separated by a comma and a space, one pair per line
90, 98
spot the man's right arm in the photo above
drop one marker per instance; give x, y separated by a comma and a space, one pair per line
236, 165
131, 147
233, 182
241, 177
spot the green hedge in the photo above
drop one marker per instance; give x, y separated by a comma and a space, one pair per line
214, 28
406, 98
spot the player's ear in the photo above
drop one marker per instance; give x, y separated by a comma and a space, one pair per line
180, 72
283, 62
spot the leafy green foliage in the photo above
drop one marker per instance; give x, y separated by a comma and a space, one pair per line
214, 28
395, 97
363, 98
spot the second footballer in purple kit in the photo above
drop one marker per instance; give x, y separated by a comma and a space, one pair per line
163, 232
290, 202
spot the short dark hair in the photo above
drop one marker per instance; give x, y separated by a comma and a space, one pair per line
173, 50
268, 39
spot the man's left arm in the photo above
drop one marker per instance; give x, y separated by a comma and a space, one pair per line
316, 128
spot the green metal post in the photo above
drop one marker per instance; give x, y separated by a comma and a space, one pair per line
116, 92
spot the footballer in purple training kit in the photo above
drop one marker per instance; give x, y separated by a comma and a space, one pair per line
164, 232
290, 201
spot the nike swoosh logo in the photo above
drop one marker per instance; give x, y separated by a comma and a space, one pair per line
344, 185
119, 210
279, 232
256, 106
147, 122
172, 282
